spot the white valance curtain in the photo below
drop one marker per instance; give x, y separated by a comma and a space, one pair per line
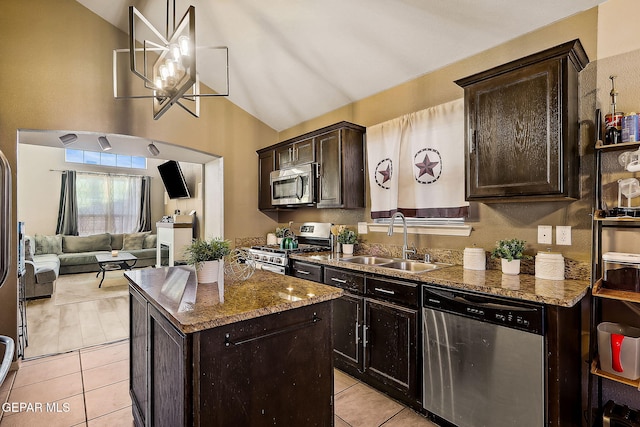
416, 164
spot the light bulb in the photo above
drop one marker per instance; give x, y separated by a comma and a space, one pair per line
164, 72
175, 51
171, 67
184, 45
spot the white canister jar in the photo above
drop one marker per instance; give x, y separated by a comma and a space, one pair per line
550, 266
474, 259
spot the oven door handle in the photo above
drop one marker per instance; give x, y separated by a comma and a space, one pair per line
271, 268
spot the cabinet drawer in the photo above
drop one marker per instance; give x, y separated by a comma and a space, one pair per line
303, 270
353, 282
402, 292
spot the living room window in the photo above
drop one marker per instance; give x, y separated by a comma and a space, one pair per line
108, 203
71, 155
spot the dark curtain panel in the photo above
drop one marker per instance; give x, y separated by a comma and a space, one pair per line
144, 222
68, 209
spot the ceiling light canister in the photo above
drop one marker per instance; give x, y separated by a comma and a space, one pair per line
153, 149
68, 138
105, 145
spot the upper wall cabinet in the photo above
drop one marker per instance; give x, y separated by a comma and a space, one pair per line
341, 174
338, 151
521, 120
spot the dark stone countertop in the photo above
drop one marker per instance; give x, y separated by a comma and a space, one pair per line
564, 293
193, 307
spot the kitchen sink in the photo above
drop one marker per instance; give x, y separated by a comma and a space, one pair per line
369, 260
413, 266
409, 266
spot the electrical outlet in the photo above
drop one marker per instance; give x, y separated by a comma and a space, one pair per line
563, 235
544, 234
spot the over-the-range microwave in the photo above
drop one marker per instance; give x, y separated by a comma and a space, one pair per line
293, 186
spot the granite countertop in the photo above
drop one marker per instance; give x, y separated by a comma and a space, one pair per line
193, 307
564, 293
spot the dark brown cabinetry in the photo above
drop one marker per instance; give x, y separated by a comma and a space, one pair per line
304, 270
338, 151
254, 372
341, 169
295, 153
266, 165
521, 122
376, 336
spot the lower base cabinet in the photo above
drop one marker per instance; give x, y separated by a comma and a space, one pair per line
263, 371
376, 339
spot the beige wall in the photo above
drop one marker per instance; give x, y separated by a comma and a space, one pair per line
56, 74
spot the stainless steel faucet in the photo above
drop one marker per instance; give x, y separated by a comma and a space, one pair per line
405, 247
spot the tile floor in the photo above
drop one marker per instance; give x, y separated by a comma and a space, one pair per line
90, 387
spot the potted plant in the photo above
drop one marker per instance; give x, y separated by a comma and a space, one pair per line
206, 256
347, 238
279, 234
511, 252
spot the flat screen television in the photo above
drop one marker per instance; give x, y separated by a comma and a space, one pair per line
173, 180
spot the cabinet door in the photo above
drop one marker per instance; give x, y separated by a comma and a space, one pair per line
138, 356
304, 151
284, 156
169, 390
515, 133
390, 345
330, 161
265, 167
347, 325
271, 370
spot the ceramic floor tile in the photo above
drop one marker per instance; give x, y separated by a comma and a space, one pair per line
342, 381
361, 405
120, 418
408, 418
46, 370
105, 375
99, 356
8, 382
339, 422
55, 389
107, 399
57, 415
38, 360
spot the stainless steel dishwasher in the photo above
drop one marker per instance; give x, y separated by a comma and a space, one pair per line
484, 359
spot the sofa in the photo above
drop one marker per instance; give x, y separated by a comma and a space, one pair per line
46, 257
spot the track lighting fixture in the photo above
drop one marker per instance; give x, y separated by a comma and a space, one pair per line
68, 138
153, 149
104, 143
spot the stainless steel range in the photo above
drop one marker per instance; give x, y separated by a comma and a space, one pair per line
310, 237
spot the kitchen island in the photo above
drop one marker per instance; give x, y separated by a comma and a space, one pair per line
259, 355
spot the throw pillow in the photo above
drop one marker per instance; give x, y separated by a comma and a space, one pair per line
133, 241
150, 241
96, 242
48, 244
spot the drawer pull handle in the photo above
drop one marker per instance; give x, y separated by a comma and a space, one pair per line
384, 291
303, 272
335, 279
229, 342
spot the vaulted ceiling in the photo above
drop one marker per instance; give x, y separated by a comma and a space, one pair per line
294, 60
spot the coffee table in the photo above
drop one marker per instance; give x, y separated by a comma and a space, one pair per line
108, 262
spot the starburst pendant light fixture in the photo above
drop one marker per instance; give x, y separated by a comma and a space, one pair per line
167, 63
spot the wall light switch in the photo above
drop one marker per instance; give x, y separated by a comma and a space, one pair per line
544, 234
563, 235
